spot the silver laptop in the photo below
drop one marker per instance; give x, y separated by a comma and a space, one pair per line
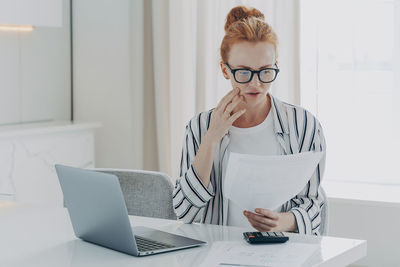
98, 214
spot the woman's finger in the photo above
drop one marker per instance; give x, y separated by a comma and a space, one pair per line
254, 224
227, 98
260, 227
268, 213
226, 108
231, 106
236, 115
263, 220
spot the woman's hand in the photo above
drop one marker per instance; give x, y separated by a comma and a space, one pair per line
267, 220
223, 117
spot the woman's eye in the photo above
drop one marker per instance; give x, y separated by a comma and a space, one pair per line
243, 72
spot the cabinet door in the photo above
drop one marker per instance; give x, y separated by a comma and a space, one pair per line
10, 91
28, 170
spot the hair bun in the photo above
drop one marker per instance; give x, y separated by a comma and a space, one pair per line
240, 13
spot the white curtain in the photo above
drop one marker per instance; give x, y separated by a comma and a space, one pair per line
186, 77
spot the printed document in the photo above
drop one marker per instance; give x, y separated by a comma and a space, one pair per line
267, 182
239, 253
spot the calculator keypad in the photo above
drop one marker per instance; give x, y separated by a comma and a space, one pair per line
265, 237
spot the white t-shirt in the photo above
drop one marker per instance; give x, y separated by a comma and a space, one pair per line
257, 140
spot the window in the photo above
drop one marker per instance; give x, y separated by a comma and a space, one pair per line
350, 78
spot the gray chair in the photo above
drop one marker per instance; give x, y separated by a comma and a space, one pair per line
146, 193
324, 227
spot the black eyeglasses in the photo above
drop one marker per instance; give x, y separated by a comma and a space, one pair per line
266, 75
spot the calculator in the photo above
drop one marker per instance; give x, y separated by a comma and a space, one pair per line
265, 237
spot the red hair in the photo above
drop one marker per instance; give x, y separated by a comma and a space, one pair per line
246, 24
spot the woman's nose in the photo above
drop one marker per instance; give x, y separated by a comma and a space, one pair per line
255, 81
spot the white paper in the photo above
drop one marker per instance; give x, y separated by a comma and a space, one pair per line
267, 182
239, 253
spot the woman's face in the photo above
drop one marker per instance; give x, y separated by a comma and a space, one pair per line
253, 56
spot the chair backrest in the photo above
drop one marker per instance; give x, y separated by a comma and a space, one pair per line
324, 227
146, 193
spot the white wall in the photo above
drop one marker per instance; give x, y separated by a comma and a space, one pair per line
376, 223
107, 75
35, 73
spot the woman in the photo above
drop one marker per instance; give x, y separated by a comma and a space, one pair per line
252, 121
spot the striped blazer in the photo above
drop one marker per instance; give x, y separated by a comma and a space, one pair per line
297, 130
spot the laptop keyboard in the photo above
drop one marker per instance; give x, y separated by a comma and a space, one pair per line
145, 244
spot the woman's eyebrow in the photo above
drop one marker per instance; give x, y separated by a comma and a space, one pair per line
247, 67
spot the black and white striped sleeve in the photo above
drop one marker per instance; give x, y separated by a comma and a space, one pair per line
306, 206
190, 195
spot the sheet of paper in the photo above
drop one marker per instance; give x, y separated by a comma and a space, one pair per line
253, 181
239, 253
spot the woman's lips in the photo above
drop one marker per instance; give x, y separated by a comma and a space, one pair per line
253, 93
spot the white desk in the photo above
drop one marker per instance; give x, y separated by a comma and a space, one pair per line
40, 236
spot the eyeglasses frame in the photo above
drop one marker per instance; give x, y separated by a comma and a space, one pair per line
233, 71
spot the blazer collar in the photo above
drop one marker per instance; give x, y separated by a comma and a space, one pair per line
280, 116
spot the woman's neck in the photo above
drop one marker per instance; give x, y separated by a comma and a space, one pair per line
254, 116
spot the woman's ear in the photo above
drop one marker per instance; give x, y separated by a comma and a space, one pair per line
224, 70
